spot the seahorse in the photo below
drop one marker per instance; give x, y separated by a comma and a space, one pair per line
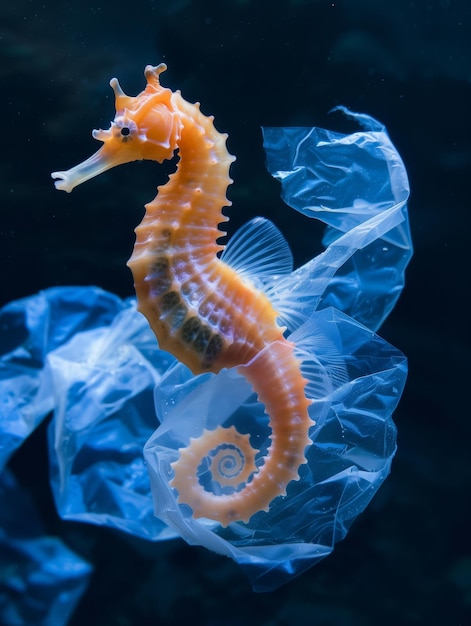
203, 311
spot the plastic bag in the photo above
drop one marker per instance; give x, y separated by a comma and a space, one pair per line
102, 381
90, 358
30, 329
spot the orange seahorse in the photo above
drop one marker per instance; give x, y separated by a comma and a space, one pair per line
201, 309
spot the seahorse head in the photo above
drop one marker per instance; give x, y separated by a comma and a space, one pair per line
146, 126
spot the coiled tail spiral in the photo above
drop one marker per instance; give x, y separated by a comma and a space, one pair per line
229, 457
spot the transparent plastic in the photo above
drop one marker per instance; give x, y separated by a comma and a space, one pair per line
30, 329
103, 381
90, 358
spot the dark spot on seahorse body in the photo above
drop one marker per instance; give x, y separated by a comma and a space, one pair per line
162, 241
173, 309
159, 277
232, 514
202, 339
165, 236
160, 285
291, 460
176, 317
169, 301
190, 329
159, 265
213, 350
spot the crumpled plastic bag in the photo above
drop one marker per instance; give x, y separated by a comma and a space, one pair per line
30, 329
102, 381
90, 358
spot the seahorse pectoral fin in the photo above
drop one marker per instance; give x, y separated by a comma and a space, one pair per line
258, 250
104, 159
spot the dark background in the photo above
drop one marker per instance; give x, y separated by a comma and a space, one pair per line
407, 559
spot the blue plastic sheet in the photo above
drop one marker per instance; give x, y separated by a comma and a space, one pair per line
357, 185
30, 329
90, 358
41, 580
103, 381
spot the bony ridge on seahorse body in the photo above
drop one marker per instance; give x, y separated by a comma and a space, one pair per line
201, 309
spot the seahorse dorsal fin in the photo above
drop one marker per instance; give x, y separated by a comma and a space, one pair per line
258, 251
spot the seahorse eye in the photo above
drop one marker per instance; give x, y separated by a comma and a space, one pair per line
124, 128
125, 133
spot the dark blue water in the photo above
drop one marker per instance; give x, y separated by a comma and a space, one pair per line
407, 560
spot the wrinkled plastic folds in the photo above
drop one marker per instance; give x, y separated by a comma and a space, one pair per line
103, 382
30, 329
90, 358
357, 185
